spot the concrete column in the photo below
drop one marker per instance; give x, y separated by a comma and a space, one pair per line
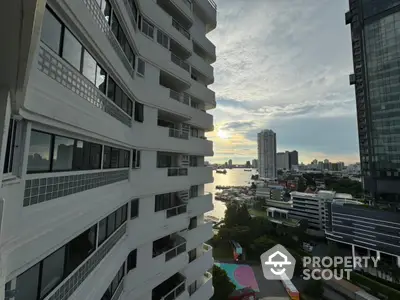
353, 255
398, 261
378, 255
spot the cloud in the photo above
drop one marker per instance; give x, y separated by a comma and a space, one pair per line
284, 65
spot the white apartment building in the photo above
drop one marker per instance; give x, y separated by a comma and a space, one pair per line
266, 143
103, 113
283, 160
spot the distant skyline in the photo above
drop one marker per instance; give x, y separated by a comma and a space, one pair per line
287, 70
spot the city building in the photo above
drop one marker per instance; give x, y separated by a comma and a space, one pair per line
373, 229
294, 159
254, 164
103, 114
283, 160
230, 163
374, 29
248, 164
266, 146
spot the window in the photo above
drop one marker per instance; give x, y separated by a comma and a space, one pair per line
39, 152
192, 255
118, 96
78, 162
193, 223
114, 158
111, 88
134, 9
194, 191
162, 39
102, 231
147, 28
52, 271
135, 159
195, 132
63, 153
164, 201
79, 249
89, 66
106, 9
139, 112
141, 67
132, 260
28, 284
112, 288
129, 107
51, 31
192, 288
111, 224
118, 218
72, 50
107, 157
124, 213
101, 79
114, 25
95, 156
9, 156
193, 161
134, 208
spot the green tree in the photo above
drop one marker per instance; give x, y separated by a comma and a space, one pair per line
236, 215
223, 287
301, 185
314, 288
261, 244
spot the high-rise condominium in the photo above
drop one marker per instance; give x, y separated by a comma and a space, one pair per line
104, 109
266, 142
375, 36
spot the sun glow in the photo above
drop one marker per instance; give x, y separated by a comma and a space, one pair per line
222, 134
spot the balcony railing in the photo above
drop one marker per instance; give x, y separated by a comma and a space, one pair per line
175, 293
179, 134
180, 28
177, 171
174, 252
176, 60
175, 211
181, 97
58, 69
213, 4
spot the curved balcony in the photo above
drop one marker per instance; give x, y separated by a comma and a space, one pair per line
205, 289
203, 261
200, 205
203, 93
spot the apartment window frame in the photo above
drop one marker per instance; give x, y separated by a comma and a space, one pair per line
88, 160
136, 159
162, 39
139, 112
134, 208
105, 87
192, 223
141, 69
147, 28
131, 262
192, 255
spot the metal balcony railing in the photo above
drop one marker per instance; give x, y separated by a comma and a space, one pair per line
213, 4
176, 211
175, 293
177, 171
180, 28
176, 60
174, 252
175, 95
179, 134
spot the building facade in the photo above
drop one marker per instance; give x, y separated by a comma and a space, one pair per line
266, 143
294, 158
254, 164
283, 160
375, 35
104, 111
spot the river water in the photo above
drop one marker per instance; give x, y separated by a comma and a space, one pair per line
233, 177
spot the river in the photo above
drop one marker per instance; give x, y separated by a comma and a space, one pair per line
233, 177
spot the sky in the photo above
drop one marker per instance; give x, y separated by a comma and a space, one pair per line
283, 65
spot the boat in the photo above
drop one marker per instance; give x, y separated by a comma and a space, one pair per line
248, 170
221, 171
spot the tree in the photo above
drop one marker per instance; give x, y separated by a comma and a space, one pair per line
262, 244
223, 287
236, 215
314, 288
